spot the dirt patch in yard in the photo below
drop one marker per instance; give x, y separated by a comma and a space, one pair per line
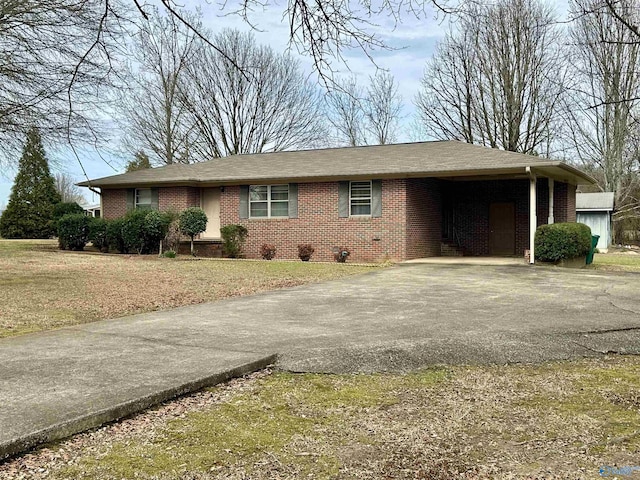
42, 288
556, 420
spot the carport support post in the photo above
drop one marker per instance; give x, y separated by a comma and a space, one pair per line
550, 219
533, 216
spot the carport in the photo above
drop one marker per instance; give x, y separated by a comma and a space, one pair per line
496, 214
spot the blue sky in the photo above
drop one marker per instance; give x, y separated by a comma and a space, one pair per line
413, 41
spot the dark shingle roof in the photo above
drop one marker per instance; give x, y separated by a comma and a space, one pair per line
423, 159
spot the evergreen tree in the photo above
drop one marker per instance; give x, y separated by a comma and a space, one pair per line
140, 162
29, 213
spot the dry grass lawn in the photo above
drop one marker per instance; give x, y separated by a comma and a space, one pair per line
43, 288
554, 421
620, 262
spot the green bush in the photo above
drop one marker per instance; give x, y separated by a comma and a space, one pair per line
170, 254
73, 231
562, 241
233, 238
114, 235
193, 221
98, 233
142, 230
66, 208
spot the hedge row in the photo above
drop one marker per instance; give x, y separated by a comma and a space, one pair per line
139, 231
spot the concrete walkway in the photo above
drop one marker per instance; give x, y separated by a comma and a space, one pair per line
410, 316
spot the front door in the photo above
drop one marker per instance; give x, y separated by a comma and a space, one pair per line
502, 229
211, 206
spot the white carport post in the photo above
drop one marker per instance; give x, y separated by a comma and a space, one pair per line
550, 220
533, 215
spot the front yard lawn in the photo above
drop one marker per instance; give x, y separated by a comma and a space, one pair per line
554, 421
43, 288
621, 262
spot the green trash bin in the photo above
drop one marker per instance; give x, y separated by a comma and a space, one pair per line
592, 251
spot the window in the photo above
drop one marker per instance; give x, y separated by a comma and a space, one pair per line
269, 201
143, 198
360, 198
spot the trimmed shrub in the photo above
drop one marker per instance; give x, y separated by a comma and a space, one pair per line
156, 226
268, 251
340, 255
562, 241
98, 233
60, 210
233, 238
114, 235
305, 251
132, 230
73, 231
170, 254
142, 230
193, 221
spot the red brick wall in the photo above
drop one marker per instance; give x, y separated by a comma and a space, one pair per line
471, 207
410, 226
564, 202
368, 239
114, 202
178, 198
424, 218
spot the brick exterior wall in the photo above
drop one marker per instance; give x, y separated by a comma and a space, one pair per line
114, 202
410, 226
178, 198
368, 239
564, 202
424, 218
471, 202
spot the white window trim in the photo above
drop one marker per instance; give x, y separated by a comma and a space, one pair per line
142, 205
361, 198
269, 201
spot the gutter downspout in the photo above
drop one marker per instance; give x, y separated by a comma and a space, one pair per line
533, 216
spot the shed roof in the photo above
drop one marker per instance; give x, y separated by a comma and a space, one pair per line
602, 201
422, 159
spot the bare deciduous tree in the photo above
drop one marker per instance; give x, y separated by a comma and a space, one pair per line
363, 117
68, 190
602, 125
498, 80
346, 113
382, 105
155, 118
266, 105
55, 62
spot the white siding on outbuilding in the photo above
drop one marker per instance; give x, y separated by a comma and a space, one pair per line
594, 210
600, 224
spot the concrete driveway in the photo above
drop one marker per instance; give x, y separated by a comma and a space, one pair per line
406, 317
411, 316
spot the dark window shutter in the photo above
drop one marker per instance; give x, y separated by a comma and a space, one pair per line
155, 199
244, 201
343, 199
131, 199
293, 200
376, 198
